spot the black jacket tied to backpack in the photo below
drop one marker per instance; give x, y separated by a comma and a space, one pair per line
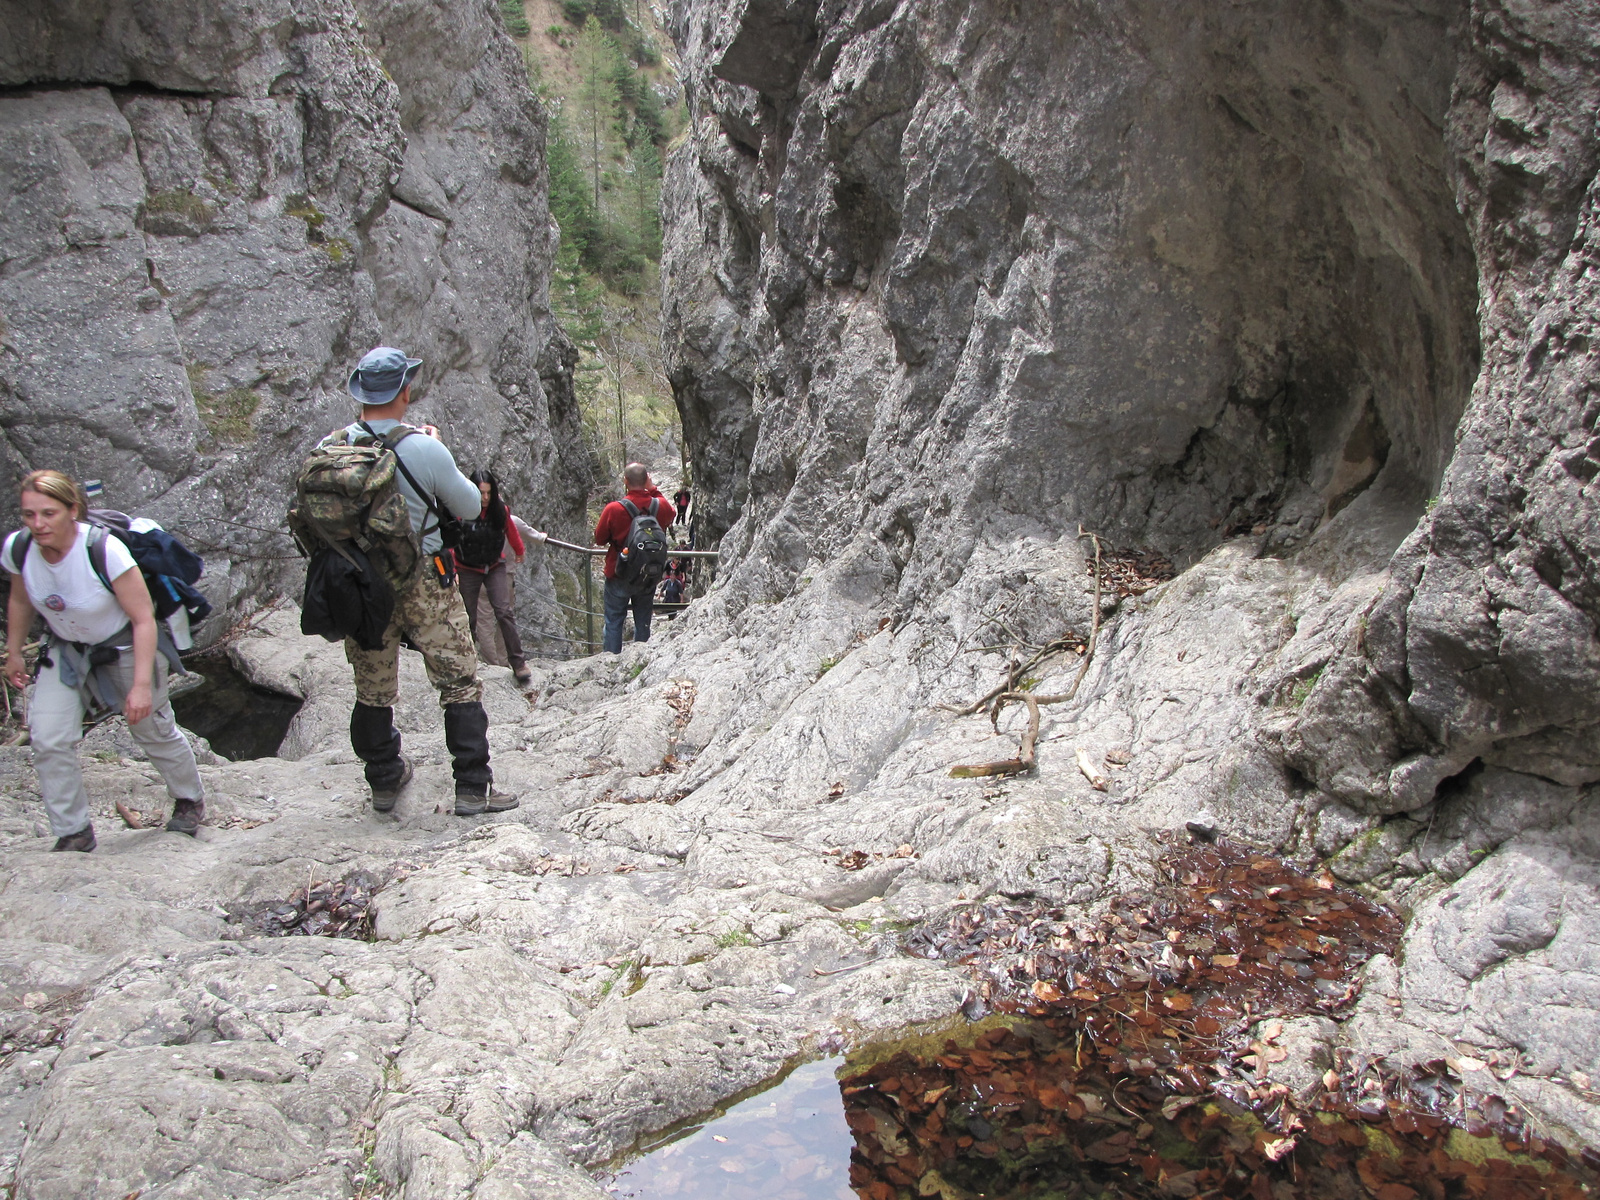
345, 596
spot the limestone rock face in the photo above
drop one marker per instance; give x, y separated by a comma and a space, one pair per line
1483, 646
935, 266
1293, 295
209, 211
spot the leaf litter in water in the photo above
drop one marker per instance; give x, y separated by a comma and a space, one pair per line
1128, 1057
1128, 1067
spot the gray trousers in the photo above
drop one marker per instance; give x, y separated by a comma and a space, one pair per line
498, 581
55, 727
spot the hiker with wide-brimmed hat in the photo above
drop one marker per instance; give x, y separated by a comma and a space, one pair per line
428, 612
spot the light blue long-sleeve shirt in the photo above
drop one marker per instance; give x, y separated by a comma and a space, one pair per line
435, 469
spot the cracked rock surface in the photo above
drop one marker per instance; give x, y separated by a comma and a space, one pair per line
688, 897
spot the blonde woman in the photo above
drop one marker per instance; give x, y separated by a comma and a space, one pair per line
101, 651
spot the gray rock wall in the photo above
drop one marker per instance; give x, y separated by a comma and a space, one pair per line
210, 211
1483, 646
1176, 278
1297, 294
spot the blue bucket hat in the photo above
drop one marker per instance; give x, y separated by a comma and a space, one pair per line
379, 376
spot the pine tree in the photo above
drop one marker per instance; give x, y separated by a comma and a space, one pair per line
644, 194
597, 105
570, 203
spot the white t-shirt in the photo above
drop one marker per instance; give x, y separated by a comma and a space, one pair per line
68, 594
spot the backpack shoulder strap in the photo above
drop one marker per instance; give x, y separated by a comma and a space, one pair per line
655, 506
97, 554
20, 543
389, 442
633, 509
393, 438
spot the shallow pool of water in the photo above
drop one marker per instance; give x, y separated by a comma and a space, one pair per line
1128, 1060
789, 1142
1010, 1110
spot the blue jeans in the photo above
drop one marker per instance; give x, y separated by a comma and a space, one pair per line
617, 599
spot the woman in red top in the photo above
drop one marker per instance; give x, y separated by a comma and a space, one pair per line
481, 562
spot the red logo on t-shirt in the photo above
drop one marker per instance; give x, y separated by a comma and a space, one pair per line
55, 603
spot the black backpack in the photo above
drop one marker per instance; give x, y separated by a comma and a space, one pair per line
643, 559
170, 568
480, 544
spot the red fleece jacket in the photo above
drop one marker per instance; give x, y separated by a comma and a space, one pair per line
612, 528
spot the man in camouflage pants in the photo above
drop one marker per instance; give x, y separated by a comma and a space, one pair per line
428, 614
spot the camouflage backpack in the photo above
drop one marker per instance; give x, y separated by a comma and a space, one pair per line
346, 493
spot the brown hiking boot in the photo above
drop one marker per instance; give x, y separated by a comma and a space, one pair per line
522, 675
186, 816
470, 804
82, 841
384, 799
498, 801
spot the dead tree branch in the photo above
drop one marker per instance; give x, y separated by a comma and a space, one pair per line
1024, 761
997, 699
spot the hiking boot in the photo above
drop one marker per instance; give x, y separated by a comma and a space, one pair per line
82, 841
186, 816
383, 799
523, 676
498, 801
471, 804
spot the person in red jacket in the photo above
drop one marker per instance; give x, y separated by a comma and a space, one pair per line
612, 530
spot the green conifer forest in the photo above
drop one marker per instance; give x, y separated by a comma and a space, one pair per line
614, 106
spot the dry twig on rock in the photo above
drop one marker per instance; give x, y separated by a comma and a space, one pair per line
1096, 780
1025, 760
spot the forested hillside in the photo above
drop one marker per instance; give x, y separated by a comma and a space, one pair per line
602, 69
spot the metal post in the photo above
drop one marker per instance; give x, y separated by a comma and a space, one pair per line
588, 599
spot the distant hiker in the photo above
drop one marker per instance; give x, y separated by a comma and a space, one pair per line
634, 527
672, 590
428, 612
481, 556
680, 502
101, 651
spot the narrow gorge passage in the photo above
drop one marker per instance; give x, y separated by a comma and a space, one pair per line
1288, 304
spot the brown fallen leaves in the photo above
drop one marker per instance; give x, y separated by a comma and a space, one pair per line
1229, 937
1133, 572
330, 908
1128, 1066
856, 860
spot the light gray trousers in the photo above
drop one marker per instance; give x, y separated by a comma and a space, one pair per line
55, 727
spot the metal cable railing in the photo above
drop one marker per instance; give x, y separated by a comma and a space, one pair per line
589, 611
